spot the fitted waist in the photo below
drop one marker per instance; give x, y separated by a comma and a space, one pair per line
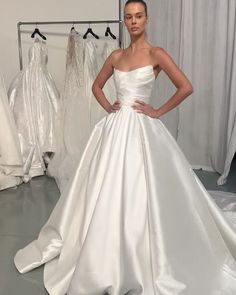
131, 101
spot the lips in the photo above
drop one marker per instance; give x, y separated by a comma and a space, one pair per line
134, 28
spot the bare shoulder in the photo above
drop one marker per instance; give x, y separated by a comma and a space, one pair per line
160, 53
161, 57
108, 66
117, 52
115, 55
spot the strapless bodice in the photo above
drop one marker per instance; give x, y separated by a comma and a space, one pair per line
134, 84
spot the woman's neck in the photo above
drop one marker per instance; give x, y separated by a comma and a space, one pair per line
138, 42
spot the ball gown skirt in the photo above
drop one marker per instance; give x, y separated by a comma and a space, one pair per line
135, 219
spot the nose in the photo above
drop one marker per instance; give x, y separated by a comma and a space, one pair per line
133, 20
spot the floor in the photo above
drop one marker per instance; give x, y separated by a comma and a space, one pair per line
25, 209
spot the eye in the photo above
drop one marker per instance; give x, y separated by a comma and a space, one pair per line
128, 17
140, 16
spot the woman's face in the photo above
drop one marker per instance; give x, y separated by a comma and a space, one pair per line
135, 18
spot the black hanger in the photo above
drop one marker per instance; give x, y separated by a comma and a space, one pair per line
36, 31
108, 32
73, 28
90, 31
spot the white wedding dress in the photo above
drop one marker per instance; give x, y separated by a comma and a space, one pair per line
75, 126
35, 103
81, 111
96, 52
135, 219
11, 163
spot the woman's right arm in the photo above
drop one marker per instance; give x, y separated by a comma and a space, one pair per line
101, 79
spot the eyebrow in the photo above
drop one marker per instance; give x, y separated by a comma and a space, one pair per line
134, 13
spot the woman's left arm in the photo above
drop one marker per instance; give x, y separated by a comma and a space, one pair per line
184, 87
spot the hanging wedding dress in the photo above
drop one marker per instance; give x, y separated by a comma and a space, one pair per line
96, 52
135, 218
34, 100
75, 114
11, 165
81, 110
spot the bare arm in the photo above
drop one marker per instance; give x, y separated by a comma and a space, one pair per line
100, 81
184, 87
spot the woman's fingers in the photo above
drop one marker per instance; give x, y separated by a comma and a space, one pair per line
137, 107
115, 106
140, 102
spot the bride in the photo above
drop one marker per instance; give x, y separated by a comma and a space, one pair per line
135, 219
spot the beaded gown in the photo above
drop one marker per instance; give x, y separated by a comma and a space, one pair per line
81, 111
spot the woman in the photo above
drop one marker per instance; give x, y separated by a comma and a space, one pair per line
135, 218
140, 54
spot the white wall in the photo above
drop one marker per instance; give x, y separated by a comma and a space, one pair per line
13, 11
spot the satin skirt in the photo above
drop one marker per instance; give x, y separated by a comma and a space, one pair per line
11, 163
134, 219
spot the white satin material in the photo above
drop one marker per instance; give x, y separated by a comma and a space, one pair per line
227, 202
135, 218
35, 103
11, 163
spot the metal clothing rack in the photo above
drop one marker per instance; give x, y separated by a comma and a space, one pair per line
19, 24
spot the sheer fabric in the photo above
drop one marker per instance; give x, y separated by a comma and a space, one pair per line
75, 127
81, 110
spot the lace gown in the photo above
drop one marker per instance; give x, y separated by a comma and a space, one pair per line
81, 109
11, 164
135, 219
96, 52
75, 129
34, 101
